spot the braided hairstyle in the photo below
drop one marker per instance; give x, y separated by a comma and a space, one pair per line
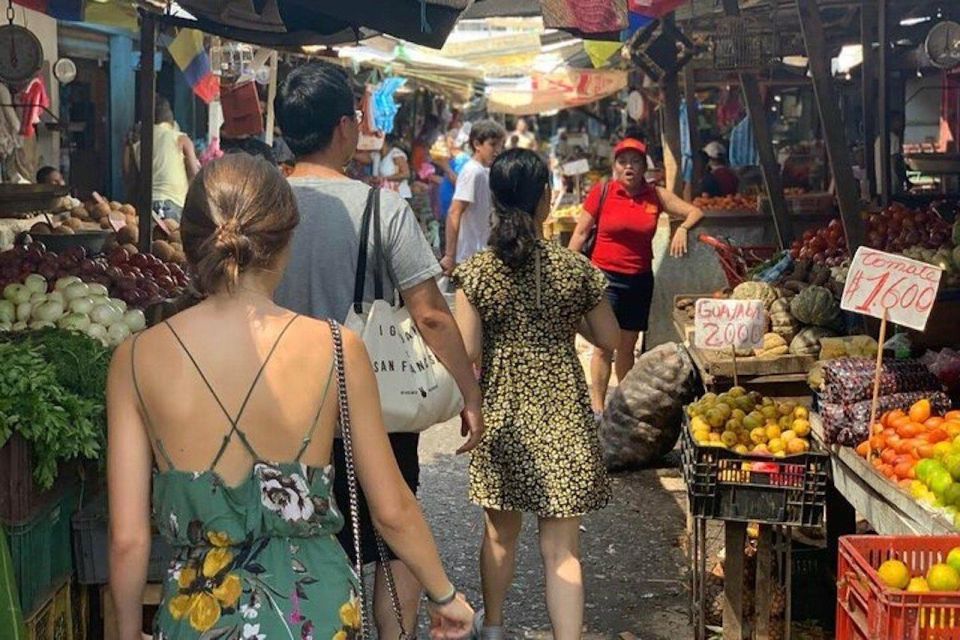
518, 179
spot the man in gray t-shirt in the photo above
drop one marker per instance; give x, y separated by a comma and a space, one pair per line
316, 111
319, 279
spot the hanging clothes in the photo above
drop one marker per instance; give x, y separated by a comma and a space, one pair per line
686, 152
743, 145
34, 100
10, 139
730, 110
384, 106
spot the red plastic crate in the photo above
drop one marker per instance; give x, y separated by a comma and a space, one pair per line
869, 610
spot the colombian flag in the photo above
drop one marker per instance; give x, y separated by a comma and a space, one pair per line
187, 51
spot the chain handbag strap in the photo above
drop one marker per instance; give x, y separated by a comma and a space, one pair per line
346, 432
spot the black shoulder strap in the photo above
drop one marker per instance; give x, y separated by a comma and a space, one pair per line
370, 212
603, 199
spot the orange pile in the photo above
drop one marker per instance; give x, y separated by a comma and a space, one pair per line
902, 438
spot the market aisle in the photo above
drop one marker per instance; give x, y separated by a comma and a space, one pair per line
633, 562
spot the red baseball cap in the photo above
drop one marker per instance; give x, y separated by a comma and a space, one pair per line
629, 144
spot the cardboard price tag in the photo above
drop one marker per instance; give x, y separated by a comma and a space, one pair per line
884, 285
723, 324
576, 168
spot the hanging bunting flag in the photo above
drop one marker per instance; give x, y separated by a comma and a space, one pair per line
635, 22
585, 16
60, 9
600, 51
187, 51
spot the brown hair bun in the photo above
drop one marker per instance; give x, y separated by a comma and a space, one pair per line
239, 215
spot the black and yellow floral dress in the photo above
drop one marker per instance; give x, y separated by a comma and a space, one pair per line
541, 451
255, 561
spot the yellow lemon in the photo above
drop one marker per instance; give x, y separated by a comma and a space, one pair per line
918, 585
788, 435
801, 413
796, 445
801, 426
775, 445
773, 432
758, 435
741, 448
894, 573
943, 577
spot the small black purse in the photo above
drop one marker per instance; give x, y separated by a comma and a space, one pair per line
591, 242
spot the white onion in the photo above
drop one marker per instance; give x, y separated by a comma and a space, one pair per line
118, 303
17, 293
55, 295
75, 322
98, 332
42, 324
24, 310
76, 290
37, 298
97, 289
135, 320
36, 283
105, 314
81, 305
65, 282
117, 333
19, 326
8, 312
5, 326
50, 311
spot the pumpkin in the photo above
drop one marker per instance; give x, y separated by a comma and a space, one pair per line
807, 342
773, 345
815, 305
782, 321
755, 291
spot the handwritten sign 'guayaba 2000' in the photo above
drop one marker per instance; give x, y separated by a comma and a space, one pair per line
723, 324
883, 284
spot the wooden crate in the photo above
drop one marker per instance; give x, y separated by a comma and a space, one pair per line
53, 620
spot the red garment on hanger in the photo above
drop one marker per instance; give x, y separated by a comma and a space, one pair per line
33, 100
241, 110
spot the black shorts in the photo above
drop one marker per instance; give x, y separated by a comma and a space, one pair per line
630, 297
405, 451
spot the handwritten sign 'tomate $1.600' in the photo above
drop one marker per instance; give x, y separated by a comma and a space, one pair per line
725, 324
883, 284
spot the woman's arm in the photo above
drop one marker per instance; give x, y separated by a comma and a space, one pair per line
468, 319
581, 232
393, 507
600, 327
129, 460
677, 207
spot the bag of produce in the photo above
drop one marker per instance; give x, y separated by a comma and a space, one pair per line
849, 380
644, 415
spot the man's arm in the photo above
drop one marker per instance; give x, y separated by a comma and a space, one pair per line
449, 260
430, 312
190, 160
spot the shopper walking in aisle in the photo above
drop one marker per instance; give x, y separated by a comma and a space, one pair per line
625, 212
316, 109
519, 305
175, 162
468, 221
255, 540
394, 168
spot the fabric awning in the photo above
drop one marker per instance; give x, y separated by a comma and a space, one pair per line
296, 23
559, 90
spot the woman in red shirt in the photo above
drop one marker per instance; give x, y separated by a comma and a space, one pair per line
626, 211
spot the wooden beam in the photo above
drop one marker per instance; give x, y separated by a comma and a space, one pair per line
670, 115
148, 90
735, 540
882, 107
756, 108
693, 124
271, 96
868, 80
848, 195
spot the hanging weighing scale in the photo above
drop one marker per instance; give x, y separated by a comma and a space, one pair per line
21, 54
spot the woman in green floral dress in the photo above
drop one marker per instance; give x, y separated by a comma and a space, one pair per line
223, 423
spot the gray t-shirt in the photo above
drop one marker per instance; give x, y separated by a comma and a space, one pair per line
319, 280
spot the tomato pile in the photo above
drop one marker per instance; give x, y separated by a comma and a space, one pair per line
898, 227
827, 245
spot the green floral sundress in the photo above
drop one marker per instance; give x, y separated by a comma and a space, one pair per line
256, 561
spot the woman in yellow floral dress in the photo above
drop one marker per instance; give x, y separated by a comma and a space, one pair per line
225, 417
520, 305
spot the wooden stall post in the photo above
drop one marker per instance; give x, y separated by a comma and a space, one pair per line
148, 88
271, 96
882, 97
673, 156
764, 582
689, 94
831, 120
868, 86
768, 159
735, 539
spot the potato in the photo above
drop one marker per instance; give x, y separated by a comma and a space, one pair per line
128, 235
128, 210
101, 210
63, 230
131, 248
114, 205
80, 213
105, 223
163, 250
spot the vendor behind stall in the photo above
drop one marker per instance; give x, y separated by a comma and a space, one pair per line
626, 211
50, 175
721, 180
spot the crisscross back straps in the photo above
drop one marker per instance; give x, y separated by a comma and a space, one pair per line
316, 419
234, 429
143, 406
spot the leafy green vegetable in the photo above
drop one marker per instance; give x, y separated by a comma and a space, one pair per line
39, 398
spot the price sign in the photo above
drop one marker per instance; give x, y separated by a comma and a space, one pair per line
576, 168
886, 285
724, 324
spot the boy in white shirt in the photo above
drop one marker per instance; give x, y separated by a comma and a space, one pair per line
468, 222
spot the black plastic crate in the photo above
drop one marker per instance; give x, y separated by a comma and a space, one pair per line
725, 485
90, 547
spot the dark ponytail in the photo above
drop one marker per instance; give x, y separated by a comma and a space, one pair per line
518, 179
